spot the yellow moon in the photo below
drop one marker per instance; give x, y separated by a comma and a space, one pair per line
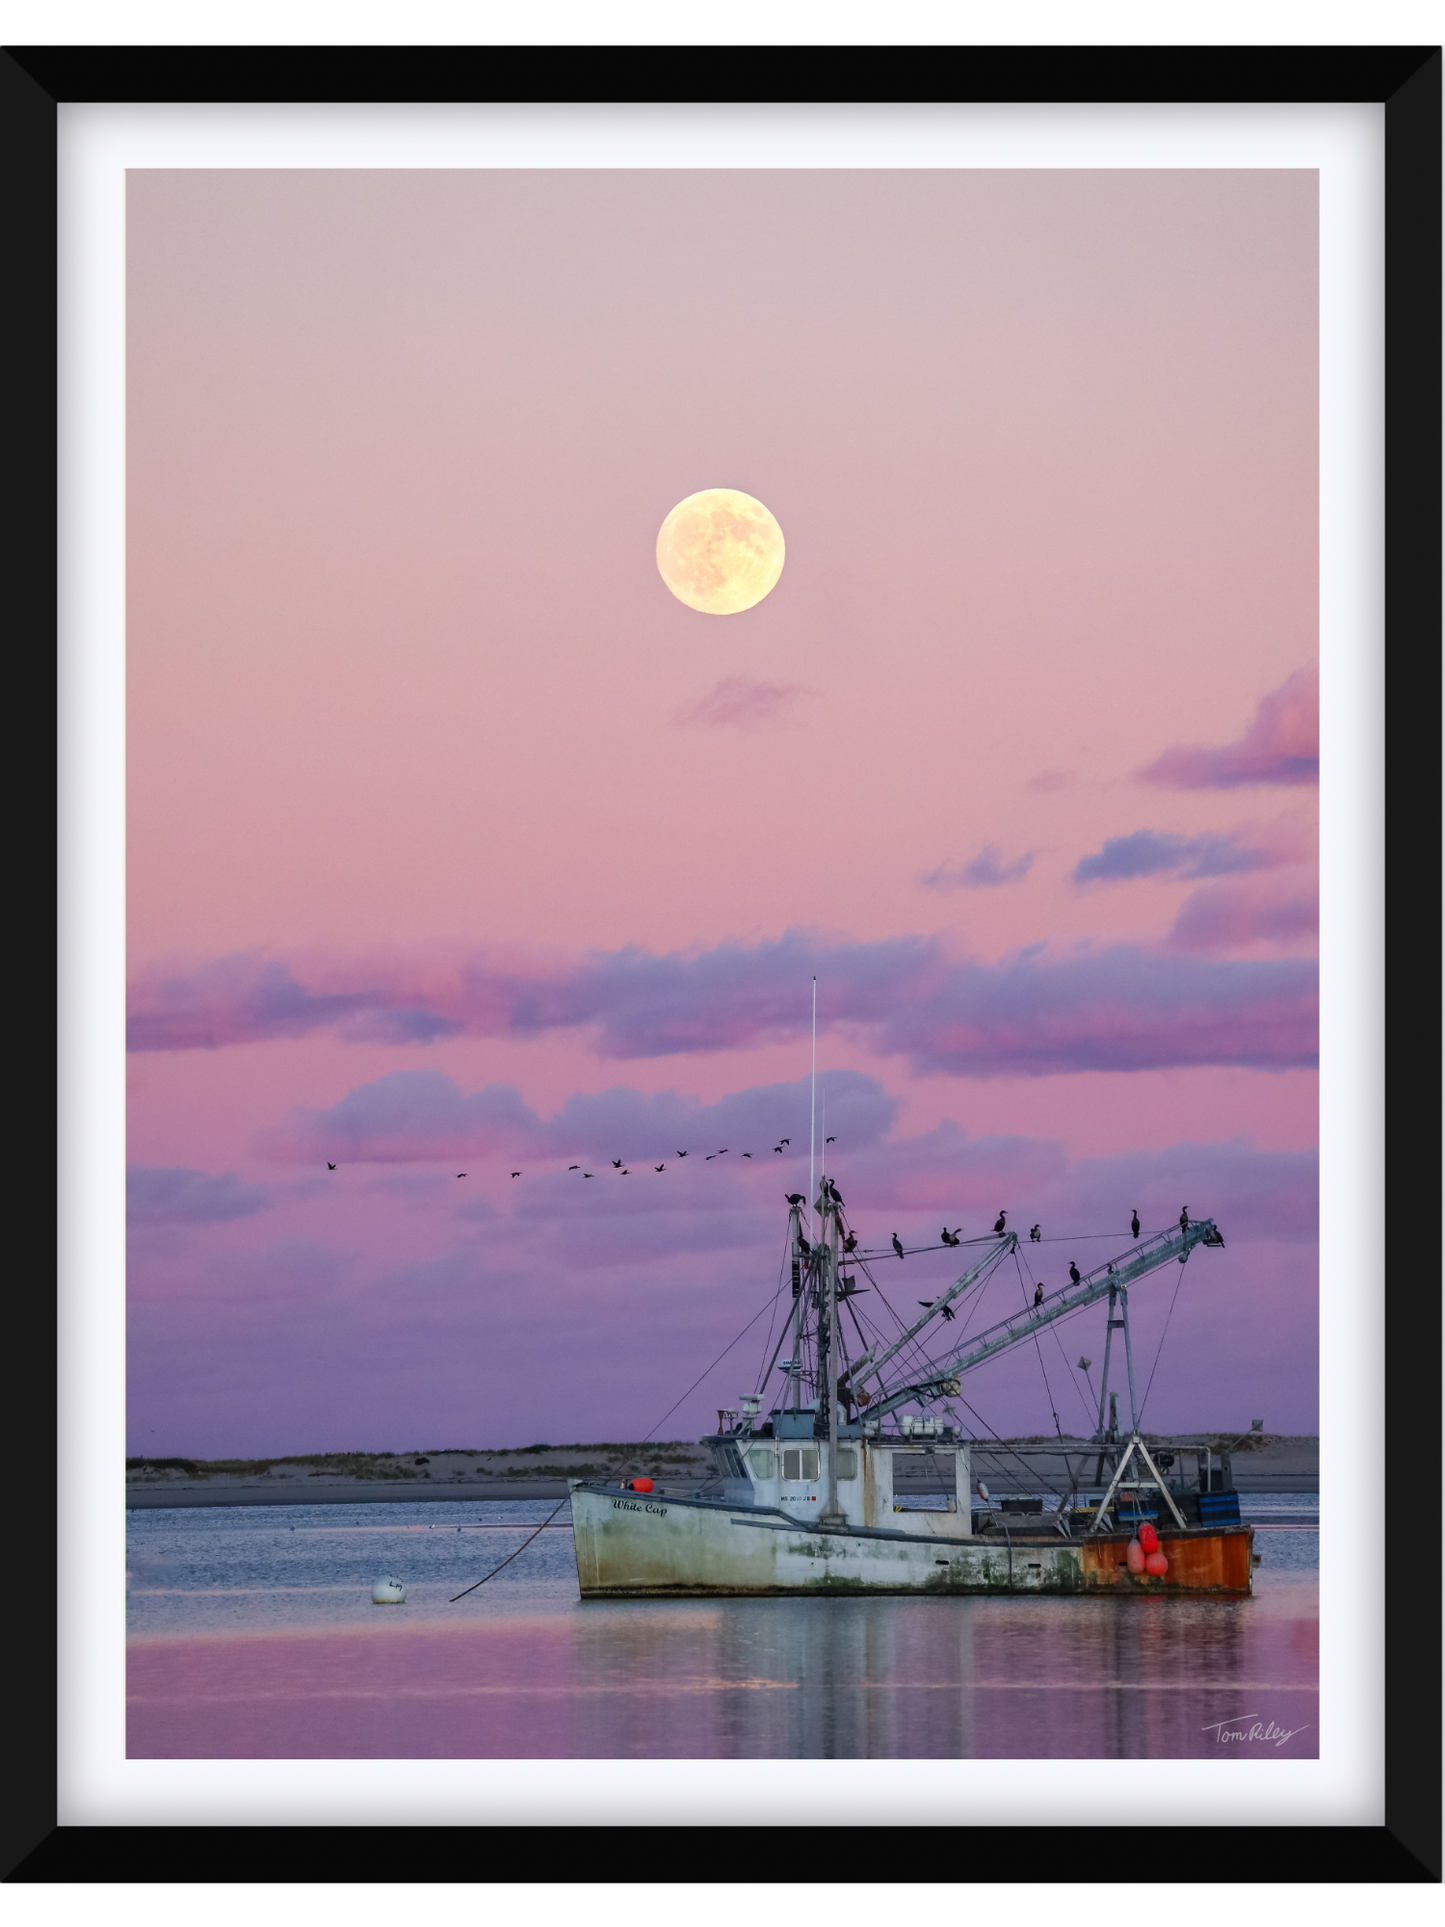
720, 551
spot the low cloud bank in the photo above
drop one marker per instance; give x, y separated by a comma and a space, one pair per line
1115, 1008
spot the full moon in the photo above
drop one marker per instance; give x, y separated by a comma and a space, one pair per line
720, 551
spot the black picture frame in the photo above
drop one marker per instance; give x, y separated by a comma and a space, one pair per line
1406, 81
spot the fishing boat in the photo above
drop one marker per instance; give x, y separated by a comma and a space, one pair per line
860, 1477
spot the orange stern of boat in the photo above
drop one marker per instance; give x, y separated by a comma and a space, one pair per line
1202, 1562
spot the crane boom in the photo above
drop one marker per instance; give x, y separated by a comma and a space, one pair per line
873, 1360
1138, 1262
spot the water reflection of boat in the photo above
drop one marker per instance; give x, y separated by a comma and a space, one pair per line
841, 1490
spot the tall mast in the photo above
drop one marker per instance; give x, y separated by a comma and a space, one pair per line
813, 1108
832, 1514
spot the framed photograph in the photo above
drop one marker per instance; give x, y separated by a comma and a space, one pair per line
721, 950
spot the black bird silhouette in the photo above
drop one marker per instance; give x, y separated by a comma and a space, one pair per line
747, 1154
951, 1237
722, 1153
1073, 1271
1038, 1294
710, 1156
626, 1173
850, 1243
515, 1174
778, 1149
795, 1197
682, 1154
617, 1164
1134, 1222
1037, 1235
586, 1174
896, 1245
574, 1167
998, 1227
948, 1311
1184, 1219
830, 1140
785, 1140
659, 1167
804, 1246
462, 1174
329, 1165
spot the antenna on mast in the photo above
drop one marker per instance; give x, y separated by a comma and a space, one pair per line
813, 1111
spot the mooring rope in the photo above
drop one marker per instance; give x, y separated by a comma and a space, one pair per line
512, 1555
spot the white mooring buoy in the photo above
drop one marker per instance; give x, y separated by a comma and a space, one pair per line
388, 1592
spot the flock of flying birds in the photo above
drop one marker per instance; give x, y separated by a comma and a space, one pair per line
850, 1242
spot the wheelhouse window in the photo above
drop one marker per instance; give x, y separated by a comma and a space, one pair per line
800, 1462
729, 1461
762, 1461
847, 1462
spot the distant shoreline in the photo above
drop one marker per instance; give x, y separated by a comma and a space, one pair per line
141, 1498
1268, 1464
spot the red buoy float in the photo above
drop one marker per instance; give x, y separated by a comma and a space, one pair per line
642, 1485
1156, 1565
1134, 1557
1148, 1538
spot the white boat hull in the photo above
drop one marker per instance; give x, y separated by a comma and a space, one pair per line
629, 1544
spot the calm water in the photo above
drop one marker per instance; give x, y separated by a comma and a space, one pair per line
252, 1636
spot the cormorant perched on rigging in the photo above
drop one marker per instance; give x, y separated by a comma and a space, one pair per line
1134, 1222
896, 1245
804, 1246
1037, 1235
850, 1243
1073, 1271
795, 1197
1184, 1219
927, 1303
1038, 1294
833, 1193
998, 1228
950, 1237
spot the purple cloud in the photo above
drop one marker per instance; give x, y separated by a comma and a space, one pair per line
1226, 916
420, 1114
986, 871
237, 999
737, 702
168, 1194
1151, 852
1117, 1009
1281, 745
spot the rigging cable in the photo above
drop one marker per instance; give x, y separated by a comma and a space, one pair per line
1038, 1348
1162, 1336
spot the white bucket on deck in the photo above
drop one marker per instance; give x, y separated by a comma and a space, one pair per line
388, 1592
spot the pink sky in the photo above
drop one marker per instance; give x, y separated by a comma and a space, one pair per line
429, 773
